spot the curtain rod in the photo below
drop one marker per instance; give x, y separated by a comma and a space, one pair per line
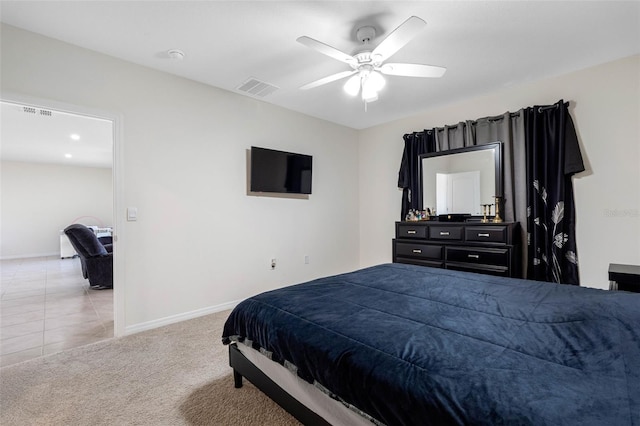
496, 118
546, 107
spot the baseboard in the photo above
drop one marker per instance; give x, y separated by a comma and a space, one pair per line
149, 325
30, 256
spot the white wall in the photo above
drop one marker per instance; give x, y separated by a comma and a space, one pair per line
199, 242
605, 106
39, 200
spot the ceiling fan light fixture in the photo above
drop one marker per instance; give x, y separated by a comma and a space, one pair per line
374, 82
352, 86
369, 95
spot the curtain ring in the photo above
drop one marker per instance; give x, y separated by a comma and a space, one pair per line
544, 108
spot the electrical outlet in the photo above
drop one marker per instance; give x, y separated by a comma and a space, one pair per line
306, 259
273, 263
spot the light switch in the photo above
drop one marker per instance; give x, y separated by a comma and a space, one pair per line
132, 214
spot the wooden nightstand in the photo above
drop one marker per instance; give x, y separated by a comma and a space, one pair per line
624, 277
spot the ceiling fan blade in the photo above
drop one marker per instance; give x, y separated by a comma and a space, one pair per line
412, 70
323, 48
399, 37
328, 79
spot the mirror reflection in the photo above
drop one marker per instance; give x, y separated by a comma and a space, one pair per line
459, 181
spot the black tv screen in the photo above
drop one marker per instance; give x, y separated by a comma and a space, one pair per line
280, 171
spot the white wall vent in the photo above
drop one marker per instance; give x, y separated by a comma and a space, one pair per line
255, 87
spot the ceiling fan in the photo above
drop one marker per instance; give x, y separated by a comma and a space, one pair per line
367, 66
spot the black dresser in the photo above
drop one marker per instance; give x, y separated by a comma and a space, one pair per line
489, 248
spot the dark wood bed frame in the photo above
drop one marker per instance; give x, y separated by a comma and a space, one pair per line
242, 367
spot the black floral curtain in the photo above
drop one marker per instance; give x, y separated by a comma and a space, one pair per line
553, 157
415, 144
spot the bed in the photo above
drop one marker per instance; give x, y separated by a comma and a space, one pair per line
401, 344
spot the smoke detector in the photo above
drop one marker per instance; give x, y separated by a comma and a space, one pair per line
175, 54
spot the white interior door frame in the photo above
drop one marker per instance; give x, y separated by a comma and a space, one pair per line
118, 193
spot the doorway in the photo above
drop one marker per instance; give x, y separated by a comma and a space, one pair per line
458, 192
57, 169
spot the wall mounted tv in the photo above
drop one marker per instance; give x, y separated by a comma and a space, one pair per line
280, 172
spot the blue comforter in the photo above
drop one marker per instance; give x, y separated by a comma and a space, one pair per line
411, 345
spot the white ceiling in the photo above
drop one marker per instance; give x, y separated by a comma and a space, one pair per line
485, 45
38, 135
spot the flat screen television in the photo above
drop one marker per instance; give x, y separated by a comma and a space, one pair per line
280, 171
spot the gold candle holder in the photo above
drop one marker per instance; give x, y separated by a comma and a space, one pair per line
484, 212
497, 218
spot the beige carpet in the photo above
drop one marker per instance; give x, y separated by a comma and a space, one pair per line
174, 375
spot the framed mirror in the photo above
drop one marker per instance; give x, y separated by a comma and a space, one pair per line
459, 181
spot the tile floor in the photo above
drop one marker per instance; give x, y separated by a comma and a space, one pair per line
46, 307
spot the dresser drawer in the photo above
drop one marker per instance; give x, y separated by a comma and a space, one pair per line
411, 231
423, 251
445, 232
480, 255
420, 262
490, 234
480, 269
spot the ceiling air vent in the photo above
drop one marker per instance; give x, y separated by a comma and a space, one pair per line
36, 111
256, 87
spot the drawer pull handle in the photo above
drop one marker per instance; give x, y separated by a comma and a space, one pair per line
411, 231
483, 235
444, 233
474, 256
417, 251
